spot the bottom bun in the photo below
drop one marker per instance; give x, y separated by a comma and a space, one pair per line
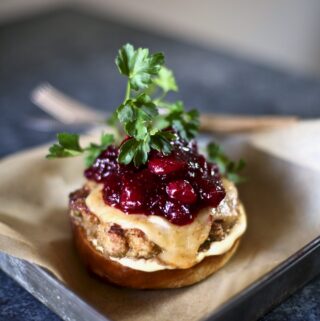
116, 273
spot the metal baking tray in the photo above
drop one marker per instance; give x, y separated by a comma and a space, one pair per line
249, 304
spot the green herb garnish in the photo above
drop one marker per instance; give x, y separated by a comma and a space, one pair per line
144, 116
139, 113
139, 66
148, 83
68, 146
228, 168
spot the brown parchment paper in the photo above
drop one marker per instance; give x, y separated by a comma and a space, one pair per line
282, 199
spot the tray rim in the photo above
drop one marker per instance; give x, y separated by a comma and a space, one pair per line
311, 248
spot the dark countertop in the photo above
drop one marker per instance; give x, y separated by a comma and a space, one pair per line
75, 52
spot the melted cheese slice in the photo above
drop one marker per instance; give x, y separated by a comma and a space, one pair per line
179, 244
216, 248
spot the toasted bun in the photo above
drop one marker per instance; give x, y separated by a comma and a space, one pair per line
116, 273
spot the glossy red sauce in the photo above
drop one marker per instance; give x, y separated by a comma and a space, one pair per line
175, 187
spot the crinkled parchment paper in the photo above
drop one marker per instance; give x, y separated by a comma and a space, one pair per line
282, 198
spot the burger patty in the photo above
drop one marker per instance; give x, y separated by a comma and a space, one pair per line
112, 240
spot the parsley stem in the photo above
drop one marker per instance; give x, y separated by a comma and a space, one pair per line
159, 100
128, 89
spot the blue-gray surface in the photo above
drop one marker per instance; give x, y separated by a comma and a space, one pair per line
75, 52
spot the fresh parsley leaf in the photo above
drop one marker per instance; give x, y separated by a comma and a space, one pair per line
141, 153
57, 151
144, 102
228, 168
233, 170
126, 112
138, 115
94, 150
185, 123
165, 80
69, 146
134, 150
106, 140
138, 65
127, 151
69, 141
161, 141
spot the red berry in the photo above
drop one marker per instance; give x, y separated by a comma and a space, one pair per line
181, 190
131, 197
165, 165
111, 189
178, 214
211, 194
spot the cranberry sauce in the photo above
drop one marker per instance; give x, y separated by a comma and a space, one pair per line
175, 186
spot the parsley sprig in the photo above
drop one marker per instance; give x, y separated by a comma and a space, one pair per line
227, 167
145, 115
139, 114
69, 146
139, 66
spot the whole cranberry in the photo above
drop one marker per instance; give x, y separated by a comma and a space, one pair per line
178, 214
111, 190
131, 197
104, 164
211, 193
165, 165
182, 191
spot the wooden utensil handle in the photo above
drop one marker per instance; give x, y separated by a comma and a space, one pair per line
236, 123
71, 111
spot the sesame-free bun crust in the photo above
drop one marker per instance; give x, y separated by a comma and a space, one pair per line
114, 272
